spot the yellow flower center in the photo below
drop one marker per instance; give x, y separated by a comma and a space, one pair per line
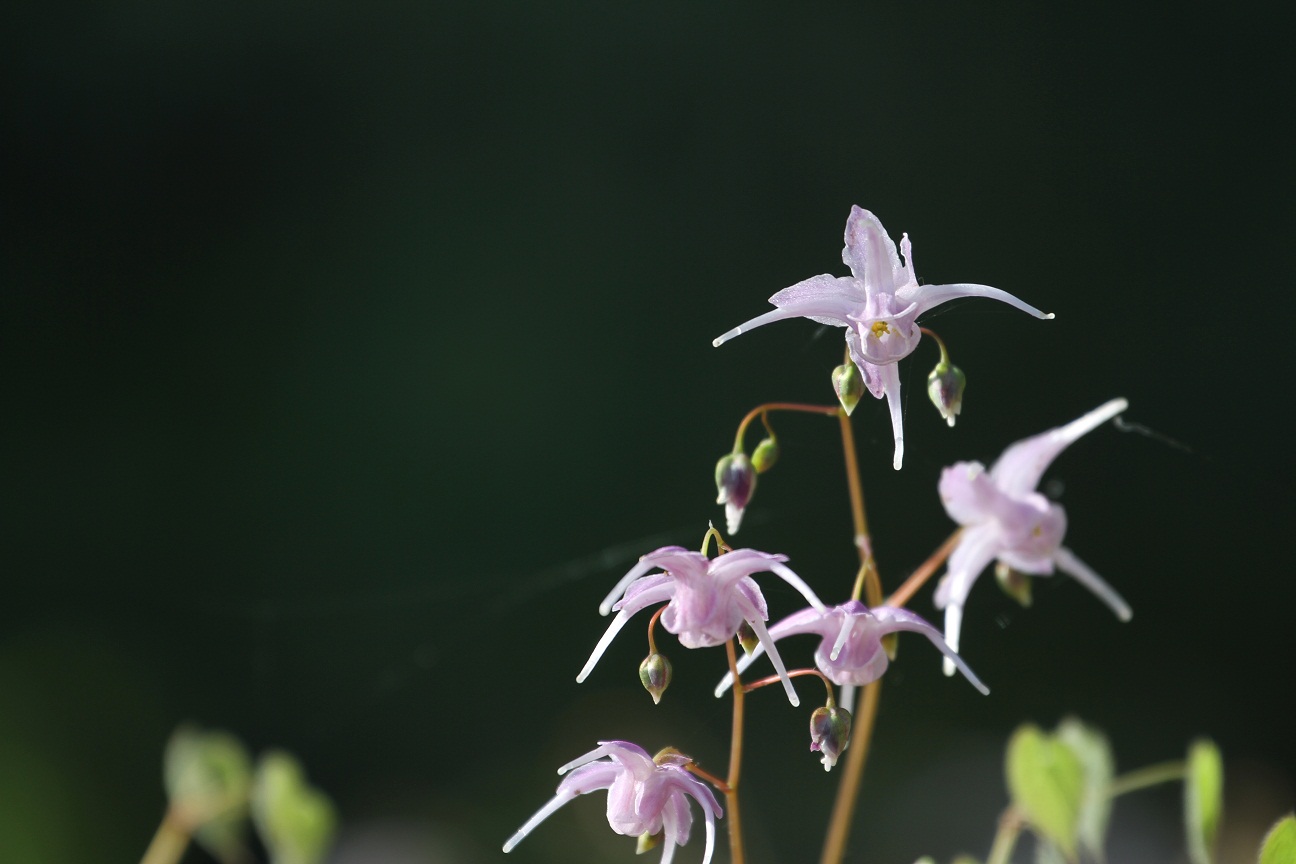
880, 329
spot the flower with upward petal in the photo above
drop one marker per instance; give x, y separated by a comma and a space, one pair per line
850, 652
878, 305
1004, 518
709, 599
646, 796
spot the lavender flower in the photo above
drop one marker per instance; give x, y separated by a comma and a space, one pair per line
709, 599
850, 653
878, 305
1004, 518
645, 795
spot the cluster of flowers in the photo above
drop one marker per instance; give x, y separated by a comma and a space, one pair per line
710, 601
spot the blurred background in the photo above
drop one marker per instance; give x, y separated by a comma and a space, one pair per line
351, 354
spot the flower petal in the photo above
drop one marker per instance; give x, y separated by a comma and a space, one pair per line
977, 547
893, 620
1069, 563
1022, 465
785, 573
540, 815
646, 563
826, 299
763, 635
869, 252
930, 296
871, 372
890, 375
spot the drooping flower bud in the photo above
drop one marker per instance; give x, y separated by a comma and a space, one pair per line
765, 455
735, 481
849, 385
1014, 583
655, 675
747, 638
830, 729
945, 387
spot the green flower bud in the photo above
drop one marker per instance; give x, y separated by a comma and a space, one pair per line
648, 842
296, 821
765, 455
655, 675
208, 777
830, 730
1014, 583
945, 387
849, 385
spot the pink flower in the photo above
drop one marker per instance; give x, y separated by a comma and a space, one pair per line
1005, 519
645, 796
878, 305
708, 599
850, 652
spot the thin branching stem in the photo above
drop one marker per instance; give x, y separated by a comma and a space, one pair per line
1162, 772
652, 624
919, 577
848, 792
169, 842
794, 673
762, 410
1010, 828
735, 761
869, 584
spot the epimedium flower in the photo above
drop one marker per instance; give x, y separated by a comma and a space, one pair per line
1005, 519
878, 304
850, 652
707, 599
646, 795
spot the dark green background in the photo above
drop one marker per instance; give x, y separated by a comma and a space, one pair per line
351, 355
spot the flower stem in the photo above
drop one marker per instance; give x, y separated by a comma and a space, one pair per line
905, 592
869, 584
712, 531
761, 410
735, 761
1010, 828
169, 843
794, 673
652, 623
944, 358
1162, 772
844, 807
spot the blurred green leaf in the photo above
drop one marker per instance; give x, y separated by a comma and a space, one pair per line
295, 820
1279, 845
208, 775
965, 859
1203, 799
1091, 748
1046, 782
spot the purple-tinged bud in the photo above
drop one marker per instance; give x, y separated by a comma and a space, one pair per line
1014, 583
747, 638
655, 675
736, 481
945, 387
830, 729
849, 385
765, 455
